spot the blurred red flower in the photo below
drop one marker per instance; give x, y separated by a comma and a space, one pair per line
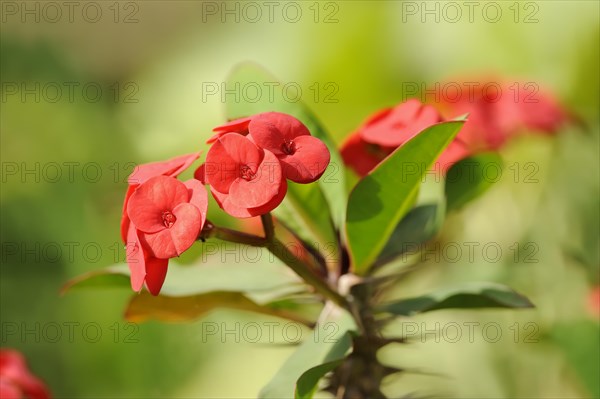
389, 129
16, 381
500, 110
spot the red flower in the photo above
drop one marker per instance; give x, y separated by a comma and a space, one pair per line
395, 126
389, 129
303, 157
173, 167
496, 116
166, 218
245, 179
361, 156
16, 380
235, 126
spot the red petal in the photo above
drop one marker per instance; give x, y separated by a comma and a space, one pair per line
239, 126
226, 157
125, 218
288, 126
200, 174
172, 167
357, 154
239, 212
261, 188
135, 259
273, 203
267, 136
198, 198
15, 373
456, 151
308, 162
151, 199
156, 270
404, 122
173, 241
225, 203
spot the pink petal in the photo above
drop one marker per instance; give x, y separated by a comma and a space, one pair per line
172, 167
173, 241
198, 197
156, 270
309, 161
261, 188
135, 259
151, 199
288, 126
226, 157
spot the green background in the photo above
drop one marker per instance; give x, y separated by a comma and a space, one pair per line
361, 53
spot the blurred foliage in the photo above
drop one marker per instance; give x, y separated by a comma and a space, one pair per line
370, 53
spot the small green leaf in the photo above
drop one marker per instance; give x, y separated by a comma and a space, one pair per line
110, 277
471, 177
332, 183
145, 307
308, 382
471, 295
330, 341
253, 271
383, 197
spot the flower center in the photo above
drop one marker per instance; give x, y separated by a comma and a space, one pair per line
246, 173
288, 147
168, 219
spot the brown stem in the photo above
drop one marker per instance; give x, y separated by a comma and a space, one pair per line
279, 250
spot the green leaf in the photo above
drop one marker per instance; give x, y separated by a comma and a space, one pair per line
471, 177
383, 197
111, 277
145, 307
581, 347
332, 182
471, 295
300, 211
307, 383
253, 271
330, 341
418, 226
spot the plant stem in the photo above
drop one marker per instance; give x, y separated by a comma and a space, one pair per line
267, 221
278, 249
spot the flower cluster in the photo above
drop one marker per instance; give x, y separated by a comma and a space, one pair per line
251, 159
390, 128
247, 169
162, 217
16, 381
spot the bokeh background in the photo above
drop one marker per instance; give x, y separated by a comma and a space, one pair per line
154, 61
